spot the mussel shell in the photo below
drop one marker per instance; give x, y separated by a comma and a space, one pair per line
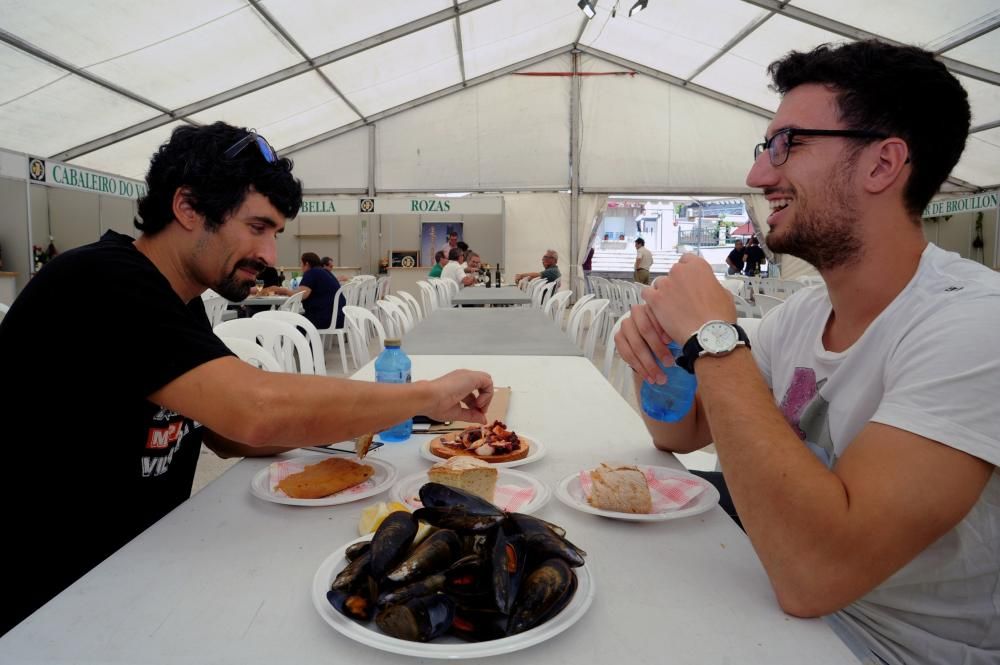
418, 619
356, 602
458, 519
436, 495
424, 587
391, 541
433, 555
507, 560
542, 541
545, 591
469, 577
478, 625
353, 573
357, 549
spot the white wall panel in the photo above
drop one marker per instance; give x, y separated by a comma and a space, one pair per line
640, 132
335, 164
498, 135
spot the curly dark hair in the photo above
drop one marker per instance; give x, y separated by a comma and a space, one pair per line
193, 158
883, 88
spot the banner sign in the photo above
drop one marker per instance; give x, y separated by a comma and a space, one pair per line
971, 203
423, 205
57, 174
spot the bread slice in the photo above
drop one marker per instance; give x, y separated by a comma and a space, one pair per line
620, 489
466, 472
325, 478
439, 448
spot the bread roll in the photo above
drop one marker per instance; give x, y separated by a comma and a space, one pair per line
467, 473
620, 489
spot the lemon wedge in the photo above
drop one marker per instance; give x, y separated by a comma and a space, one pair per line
372, 516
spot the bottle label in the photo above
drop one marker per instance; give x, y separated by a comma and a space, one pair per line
393, 377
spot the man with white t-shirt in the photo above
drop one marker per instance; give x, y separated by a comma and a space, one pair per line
453, 270
861, 449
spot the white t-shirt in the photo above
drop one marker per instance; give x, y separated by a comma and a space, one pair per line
928, 364
453, 271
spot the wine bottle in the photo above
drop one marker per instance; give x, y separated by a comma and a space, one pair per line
496, 277
485, 275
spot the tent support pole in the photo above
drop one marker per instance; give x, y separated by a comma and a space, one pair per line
574, 162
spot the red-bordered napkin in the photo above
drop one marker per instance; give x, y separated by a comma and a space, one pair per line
505, 497
278, 471
668, 492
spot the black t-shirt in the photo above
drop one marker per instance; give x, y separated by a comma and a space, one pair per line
318, 307
95, 332
755, 256
736, 256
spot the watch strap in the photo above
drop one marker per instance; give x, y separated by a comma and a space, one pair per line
692, 349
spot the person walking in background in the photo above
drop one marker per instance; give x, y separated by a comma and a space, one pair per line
587, 266
754, 258
736, 259
861, 448
440, 261
643, 261
217, 197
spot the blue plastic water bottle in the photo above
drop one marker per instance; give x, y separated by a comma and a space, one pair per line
671, 401
393, 366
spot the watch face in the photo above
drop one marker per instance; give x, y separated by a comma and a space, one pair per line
717, 337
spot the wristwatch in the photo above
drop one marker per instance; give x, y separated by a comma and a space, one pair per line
714, 338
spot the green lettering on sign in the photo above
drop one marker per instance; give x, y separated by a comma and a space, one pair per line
429, 205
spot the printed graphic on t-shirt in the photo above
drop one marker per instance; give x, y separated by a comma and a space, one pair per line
163, 439
809, 414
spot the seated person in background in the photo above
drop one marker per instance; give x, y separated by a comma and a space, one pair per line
270, 277
453, 269
465, 252
736, 259
440, 261
550, 271
320, 287
451, 242
861, 448
217, 197
472, 272
327, 263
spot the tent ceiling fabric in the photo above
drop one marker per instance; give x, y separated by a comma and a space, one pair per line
102, 84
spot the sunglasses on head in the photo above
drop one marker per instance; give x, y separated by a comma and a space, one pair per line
266, 151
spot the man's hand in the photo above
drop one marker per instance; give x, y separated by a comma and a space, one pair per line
688, 297
473, 389
639, 338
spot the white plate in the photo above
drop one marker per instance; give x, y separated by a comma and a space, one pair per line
570, 493
447, 646
406, 490
536, 452
383, 478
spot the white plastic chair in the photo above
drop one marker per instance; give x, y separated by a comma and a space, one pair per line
252, 353
576, 309
408, 298
404, 306
542, 293
294, 303
749, 327
616, 371
393, 318
215, 306
744, 308
766, 303
428, 295
282, 340
358, 319
556, 306
311, 333
583, 335
443, 291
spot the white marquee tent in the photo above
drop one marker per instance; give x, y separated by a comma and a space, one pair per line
529, 99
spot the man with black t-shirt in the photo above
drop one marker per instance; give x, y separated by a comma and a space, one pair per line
100, 466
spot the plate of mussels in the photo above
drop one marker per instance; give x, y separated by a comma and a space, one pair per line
482, 581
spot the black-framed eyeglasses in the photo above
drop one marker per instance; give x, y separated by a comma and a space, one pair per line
266, 151
781, 142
